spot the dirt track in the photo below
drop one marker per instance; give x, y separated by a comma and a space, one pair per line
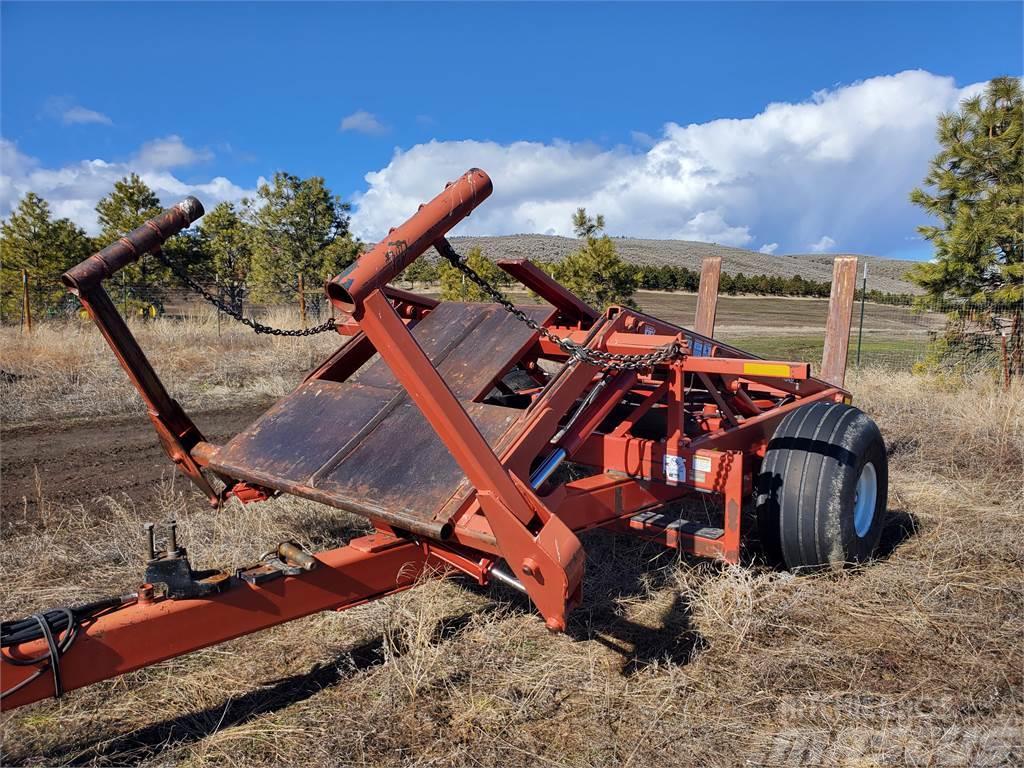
85, 460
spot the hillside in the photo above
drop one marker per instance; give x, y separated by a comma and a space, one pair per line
883, 274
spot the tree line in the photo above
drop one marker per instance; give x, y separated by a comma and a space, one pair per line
258, 250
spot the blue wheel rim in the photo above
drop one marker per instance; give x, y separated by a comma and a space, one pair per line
865, 499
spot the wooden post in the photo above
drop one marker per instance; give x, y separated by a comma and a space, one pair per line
840, 317
302, 301
707, 296
26, 304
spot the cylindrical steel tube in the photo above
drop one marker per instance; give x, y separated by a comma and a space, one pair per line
381, 264
146, 239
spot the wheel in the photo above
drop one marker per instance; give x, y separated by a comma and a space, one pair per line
823, 488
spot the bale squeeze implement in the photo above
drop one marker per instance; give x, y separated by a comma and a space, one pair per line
451, 428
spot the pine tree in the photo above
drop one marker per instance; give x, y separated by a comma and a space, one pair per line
595, 272
142, 285
31, 241
301, 227
455, 287
976, 190
227, 241
975, 187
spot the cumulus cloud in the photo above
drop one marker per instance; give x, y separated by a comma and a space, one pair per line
79, 115
841, 162
768, 248
169, 152
73, 190
826, 243
362, 121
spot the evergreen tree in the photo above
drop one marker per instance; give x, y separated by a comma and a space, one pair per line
301, 227
142, 285
595, 272
31, 241
975, 188
227, 241
455, 287
423, 271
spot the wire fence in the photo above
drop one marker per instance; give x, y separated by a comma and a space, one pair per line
946, 335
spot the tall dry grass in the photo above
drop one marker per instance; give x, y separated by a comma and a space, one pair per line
914, 659
64, 369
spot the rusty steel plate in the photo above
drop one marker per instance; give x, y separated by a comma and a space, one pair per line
363, 445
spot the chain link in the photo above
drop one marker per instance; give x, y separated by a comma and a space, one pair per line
605, 360
231, 311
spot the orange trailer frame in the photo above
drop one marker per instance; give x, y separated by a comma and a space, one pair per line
643, 437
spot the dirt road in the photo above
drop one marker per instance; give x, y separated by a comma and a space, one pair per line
83, 461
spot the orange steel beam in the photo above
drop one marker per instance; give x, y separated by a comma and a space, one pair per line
549, 289
145, 633
547, 557
386, 260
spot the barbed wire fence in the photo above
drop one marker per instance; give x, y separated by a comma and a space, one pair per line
951, 336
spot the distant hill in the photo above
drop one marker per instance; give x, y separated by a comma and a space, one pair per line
883, 274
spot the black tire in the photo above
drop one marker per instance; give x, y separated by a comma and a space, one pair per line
817, 461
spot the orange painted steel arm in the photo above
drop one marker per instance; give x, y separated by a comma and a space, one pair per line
140, 634
382, 263
548, 558
133, 246
555, 294
177, 434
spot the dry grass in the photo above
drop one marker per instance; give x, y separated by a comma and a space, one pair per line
913, 659
65, 369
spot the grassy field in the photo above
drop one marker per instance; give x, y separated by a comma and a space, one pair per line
914, 659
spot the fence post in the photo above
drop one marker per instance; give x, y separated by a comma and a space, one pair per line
863, 297
26, 304
302, 301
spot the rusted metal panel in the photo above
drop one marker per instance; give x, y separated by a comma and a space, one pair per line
707, 296
840, 316
470, 344
305, 430
403, 466
363, 446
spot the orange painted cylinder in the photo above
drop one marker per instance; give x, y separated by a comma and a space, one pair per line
404, 244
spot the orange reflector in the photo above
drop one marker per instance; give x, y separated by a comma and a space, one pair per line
766, 369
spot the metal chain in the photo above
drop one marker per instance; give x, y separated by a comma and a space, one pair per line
229, 310
606, 360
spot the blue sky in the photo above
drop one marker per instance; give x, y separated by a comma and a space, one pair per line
657, 115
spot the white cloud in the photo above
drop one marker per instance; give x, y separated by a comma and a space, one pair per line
79, 115
826, 243
768, 248
362, 121
169, 152
841, 162
73, 190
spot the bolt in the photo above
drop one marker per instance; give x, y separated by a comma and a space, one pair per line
172, 538
149, 528
146, 594
530, 567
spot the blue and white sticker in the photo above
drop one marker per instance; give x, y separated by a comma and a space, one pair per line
675, 469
